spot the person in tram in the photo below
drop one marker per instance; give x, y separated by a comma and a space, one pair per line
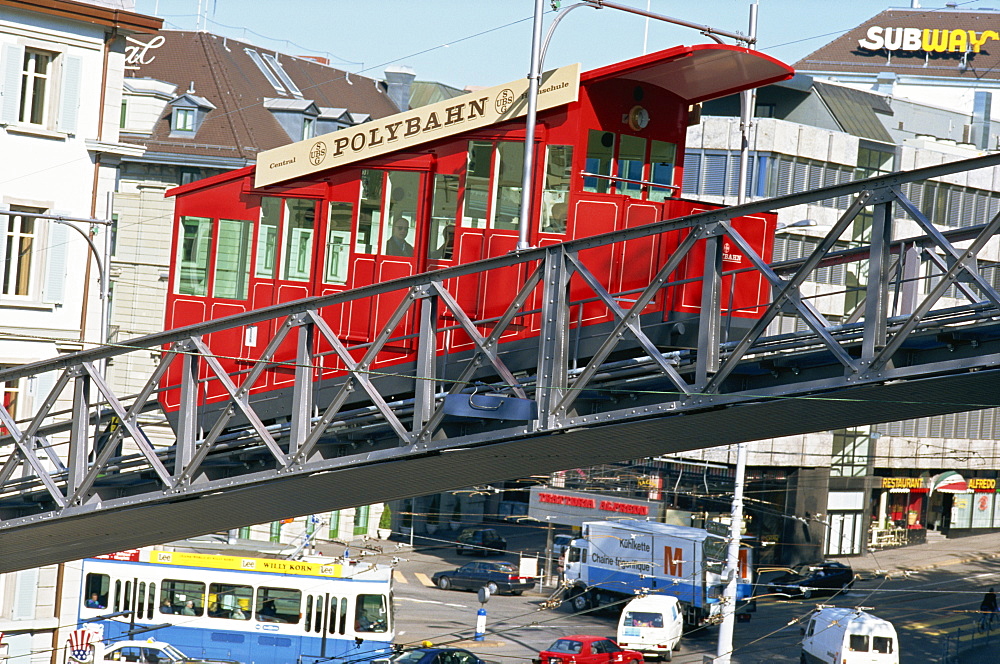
94, 602
188, 609
444, 251
397, 244
557, 219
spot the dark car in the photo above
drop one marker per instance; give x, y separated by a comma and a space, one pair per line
484, 541
433, 656
581, 649
808, 580
496, 576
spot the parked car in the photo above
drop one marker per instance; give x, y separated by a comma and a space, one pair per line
808, 580
581, 649
154, 652
497, 576
433, 656
484, 541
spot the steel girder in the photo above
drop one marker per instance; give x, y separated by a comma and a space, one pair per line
349, 409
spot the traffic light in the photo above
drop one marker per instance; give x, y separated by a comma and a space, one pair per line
556, 4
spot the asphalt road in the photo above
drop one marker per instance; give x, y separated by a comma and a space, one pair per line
934, 613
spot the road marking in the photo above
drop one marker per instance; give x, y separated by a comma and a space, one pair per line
424, 579
398, 576
431, 601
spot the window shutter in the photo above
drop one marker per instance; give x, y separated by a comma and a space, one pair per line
692, 173
13, 61
69, 98
55, 264
715, 175
25, 593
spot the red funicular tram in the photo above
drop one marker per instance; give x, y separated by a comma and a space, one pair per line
441, 185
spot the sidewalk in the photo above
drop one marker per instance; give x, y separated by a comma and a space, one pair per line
927, 556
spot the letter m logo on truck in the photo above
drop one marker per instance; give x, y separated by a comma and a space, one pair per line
673, 561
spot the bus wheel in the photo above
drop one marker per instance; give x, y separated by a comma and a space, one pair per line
581, 602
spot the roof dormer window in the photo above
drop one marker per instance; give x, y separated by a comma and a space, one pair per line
187, 113
183, 119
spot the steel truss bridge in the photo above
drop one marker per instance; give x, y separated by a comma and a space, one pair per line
81, 475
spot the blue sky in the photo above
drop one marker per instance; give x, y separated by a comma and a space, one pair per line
488, 42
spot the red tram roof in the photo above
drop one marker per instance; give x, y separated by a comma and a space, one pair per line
693, 73
698, 73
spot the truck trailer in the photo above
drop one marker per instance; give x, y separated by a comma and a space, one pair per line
614, 561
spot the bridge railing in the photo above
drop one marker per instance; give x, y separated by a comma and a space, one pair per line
566, 346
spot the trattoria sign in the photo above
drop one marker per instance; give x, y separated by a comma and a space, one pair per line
925, 39
411, 128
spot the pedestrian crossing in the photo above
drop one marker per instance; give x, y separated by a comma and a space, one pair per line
961, 624
418, 578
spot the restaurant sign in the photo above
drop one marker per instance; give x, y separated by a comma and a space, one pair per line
928, 40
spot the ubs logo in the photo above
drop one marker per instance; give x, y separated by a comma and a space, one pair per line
318, 153
504, 100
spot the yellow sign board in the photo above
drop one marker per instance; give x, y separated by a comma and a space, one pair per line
411, 128
927, 40
239, 563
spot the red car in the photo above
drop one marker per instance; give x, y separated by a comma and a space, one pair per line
579, 649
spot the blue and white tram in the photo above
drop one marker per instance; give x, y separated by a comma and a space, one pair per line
255, 610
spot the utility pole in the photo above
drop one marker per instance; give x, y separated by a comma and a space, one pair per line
732, 570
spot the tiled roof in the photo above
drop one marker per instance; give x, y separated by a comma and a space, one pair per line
844, 54
222, 71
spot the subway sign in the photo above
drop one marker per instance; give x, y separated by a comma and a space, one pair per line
926, 39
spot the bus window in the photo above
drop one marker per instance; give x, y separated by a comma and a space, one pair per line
444, 209
338, 241
882, 644
186, 598
477, 184
297, 240
267, 236
370, 212
95, 591
510, 155
600, 152
555, 195
631, 162
230, 601
401, 217
662, 157
858, 643
281, 605
232, 260
370, 614
194, 249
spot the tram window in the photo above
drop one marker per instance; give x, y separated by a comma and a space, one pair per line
152, 600
309, 612
232, 260
95, 591
370, 614
194, 250
600, 152
370, 212
229, 601
332, 627
443, 212
662, 157
555, 195
300, 222
319, 615
510, 155
343, 616
338, 242
282, 605
267, 236
477, 184
401, 215
140, 604
631, 163
118, 596
185, 598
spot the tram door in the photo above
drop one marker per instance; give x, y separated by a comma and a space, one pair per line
286, 246
325, 623
391, 239
135, 596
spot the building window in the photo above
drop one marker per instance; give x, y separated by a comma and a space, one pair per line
122, 121
361, 520
19, 244
851, 449
334, 524
307, 128
35, 86
275, 532
183, 119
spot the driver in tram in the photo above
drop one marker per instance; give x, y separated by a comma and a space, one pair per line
397, 244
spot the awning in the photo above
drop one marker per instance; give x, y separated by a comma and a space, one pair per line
949, 482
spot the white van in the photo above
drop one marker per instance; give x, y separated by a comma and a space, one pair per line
849, 636
651, 625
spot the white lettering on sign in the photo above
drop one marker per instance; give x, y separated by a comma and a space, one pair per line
926, 39
137, 52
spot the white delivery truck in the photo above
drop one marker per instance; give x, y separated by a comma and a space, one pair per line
652, 625
848, 636
617, 560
